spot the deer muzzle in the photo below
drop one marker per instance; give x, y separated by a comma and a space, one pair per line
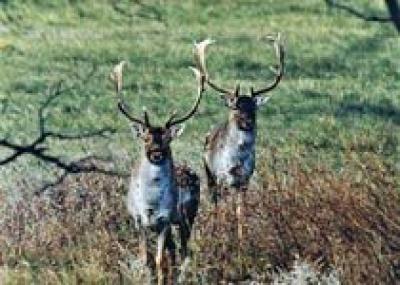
245, 122
156, 156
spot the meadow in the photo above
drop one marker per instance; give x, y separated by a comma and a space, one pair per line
326, 191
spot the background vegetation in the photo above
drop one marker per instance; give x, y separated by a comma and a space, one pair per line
328, 142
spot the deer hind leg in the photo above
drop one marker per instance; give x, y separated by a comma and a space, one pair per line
212, 188
211, 184
184, 234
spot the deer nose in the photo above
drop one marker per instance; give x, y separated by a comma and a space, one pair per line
156, 156
246, 121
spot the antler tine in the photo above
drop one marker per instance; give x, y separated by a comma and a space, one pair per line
171, 118
200, 80
280, 54
146, 117
200, 59
116, 77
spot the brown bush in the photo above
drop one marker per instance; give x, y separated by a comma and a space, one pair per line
347, 221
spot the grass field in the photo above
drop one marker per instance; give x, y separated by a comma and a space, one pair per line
338, 109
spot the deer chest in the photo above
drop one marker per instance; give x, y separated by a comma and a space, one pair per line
152, 195
235, 162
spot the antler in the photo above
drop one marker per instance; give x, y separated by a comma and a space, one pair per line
200, 60
199, 54
116, 77
200, 77
280, 54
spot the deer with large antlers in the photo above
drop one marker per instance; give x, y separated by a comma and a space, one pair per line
160, 193
229, 152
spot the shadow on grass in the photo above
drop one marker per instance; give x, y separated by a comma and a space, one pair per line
340, 62
343, 60
324, 103
386, 112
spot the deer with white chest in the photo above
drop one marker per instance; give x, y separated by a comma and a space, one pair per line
157, 196
229, 151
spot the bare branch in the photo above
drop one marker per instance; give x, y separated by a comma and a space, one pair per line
79, 166
97, 133
357, 13
38, 147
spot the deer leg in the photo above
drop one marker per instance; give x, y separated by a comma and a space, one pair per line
143, 246
239, 212
212, 188
211, 184
170, 245
184, 233
240, 208
161, 239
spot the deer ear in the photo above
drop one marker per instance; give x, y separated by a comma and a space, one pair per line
138, 130
176, 130
230, 101
261, 100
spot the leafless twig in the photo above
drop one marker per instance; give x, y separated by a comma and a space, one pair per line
38, 146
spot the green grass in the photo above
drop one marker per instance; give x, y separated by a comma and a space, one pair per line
339, 98
340, 90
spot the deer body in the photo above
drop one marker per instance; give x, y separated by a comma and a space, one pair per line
152, 193
230, 154
158, 196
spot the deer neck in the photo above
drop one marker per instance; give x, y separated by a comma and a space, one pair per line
150, 170
235, 135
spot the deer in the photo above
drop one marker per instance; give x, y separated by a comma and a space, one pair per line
229, 149
161, 194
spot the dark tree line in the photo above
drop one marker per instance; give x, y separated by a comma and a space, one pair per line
392, 6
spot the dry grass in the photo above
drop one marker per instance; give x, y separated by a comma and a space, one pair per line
346, 222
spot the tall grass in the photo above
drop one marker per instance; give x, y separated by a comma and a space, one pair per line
345, 223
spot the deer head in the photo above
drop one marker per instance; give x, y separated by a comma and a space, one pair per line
243, 107
156, 139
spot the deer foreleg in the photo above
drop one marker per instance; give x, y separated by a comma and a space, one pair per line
170, 245
240, 208
184, 233
211, 184
239, 215
162, 235
143, 246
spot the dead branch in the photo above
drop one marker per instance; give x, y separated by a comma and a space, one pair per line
38, 147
